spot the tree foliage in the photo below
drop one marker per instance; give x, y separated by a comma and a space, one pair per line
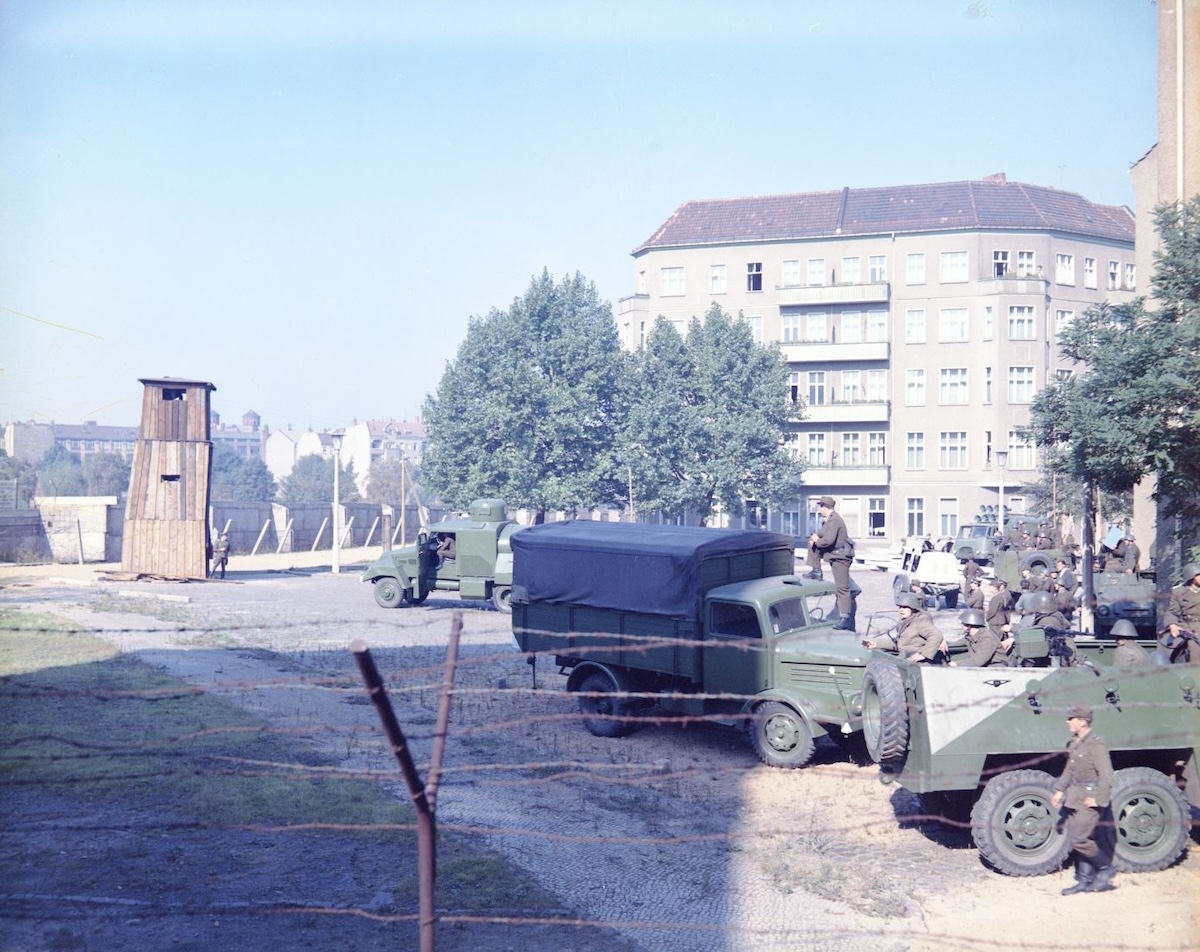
241, 479
1135, 410
527, 409
706, 416
59, 473
106, 474
311, 481
18, 481
390, 480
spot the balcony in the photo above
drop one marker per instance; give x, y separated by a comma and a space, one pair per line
824, 351
845, 476
865, 411
876, 292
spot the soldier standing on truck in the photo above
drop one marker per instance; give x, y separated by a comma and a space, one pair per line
917, 638
1183, 618
1085, 789
833, 544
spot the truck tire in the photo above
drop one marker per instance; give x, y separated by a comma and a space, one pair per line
502, 598
780, 736
1151, 818
389, 593
885, 713
1038, 563
602, 716
1014, 826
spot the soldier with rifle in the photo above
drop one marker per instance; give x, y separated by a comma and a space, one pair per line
1182, 620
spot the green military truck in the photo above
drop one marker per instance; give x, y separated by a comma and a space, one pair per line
482, 566
705, 623
988, 743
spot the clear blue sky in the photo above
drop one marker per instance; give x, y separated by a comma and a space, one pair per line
304, 202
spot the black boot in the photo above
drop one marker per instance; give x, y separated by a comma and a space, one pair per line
1103, 880
1085, 873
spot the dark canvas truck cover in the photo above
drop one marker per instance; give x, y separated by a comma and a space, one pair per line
647, 569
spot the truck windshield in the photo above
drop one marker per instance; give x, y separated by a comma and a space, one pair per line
788, 615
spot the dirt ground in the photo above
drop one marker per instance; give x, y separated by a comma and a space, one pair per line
672, 838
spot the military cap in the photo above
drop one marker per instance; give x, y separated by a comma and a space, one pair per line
1081, 711
826, 501
908, 600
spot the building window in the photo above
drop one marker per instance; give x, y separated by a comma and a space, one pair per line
877, 517
914, 387
851, 386
1114, 275
754, 276
914, 512
914, 268
791, 444
756, 327
791, 273
952, 385
877, 325
952, 449
794, 386
1062, 376
876, 268
672, 282
717, 279
914, 450
914, 326
816, 272
947, 516
1021, 324
789, 326
877, 386
1089, 273
1026, 264
1064, 269
953, 267
877, 448
852, 329
952, 324
851, 270
999, 264
1130, 278
1020, 452
1020, 384
816, 327
987, 384
989, 324
1063, 319
851, 449
816, 449
816, 388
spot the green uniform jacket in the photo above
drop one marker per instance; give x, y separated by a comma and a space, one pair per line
1089, 772
1183, 611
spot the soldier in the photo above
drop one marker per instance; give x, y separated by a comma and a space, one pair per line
999, 609
974, 595
1129, 655
220, 555
1131, 556
833, 544
1085, 789
1066, 576
971, 571
1044, 614
1064, 601
1183, 618
917, 638
983, 645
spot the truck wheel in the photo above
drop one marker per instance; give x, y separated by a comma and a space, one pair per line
900, 585
1014, 826
951, 598
780, 736
1151, 818
1037, 563
885, 712
602, 715
389, 593
502, 598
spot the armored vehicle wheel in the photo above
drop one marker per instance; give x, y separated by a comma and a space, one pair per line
885, 713
1014, 826
601, 715
1152, 820
780, 736
502, 598
389, 593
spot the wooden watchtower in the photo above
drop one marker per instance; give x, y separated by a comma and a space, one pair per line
166, 514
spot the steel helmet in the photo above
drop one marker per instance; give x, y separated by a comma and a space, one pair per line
908, 600
1190, 571
1123, 628
972, 618
1040, 603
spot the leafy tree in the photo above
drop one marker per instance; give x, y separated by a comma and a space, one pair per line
18, 481
59, 474
242, 479
1135, 410
387, 484
107, 474
526, 411
706, 419
311, 481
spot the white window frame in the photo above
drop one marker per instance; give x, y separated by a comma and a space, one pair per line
1130, 276
1022, 322
1064, 269
852, 327
718, 279
914, 450
877, 448
1089, 273
816, 327
877, 386
914, 326
756, 327
791, 272
952, 449
948, 516
953, 267
816, 449
1022, 454
914, 516
999, 264
1022, 383
790, 327
952, 386
877, 322
914, 268
671, 282
816, 272
914, 387
1114, 275
1026, 264
952, 324
852, 388
876, 269
815, 382
851, 449
754, 277
851, 270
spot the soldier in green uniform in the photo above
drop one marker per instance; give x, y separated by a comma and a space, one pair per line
1128, 655
983, 645
1183, 615
917, 638
1085, 790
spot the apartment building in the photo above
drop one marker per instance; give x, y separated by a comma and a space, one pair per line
918, 322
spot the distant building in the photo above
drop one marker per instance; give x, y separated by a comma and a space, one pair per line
31, 441
248, 440
365, 443
918, 322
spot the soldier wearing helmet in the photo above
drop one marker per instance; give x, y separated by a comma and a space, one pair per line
1128, 654
1041, 612
1183, 618
983, 645
917, 638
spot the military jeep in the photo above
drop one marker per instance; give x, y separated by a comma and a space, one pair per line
481, 565
983, 746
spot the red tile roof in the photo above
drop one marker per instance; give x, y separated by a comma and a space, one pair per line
946, 206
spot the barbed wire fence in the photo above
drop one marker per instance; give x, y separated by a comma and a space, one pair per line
622, 826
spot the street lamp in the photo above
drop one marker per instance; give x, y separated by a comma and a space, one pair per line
1001, 463
337, 507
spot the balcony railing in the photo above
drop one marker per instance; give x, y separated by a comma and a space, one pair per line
864, 411
838, 475
873, 293
824, 351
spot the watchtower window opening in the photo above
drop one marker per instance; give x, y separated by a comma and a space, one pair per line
170, 477
170, 393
